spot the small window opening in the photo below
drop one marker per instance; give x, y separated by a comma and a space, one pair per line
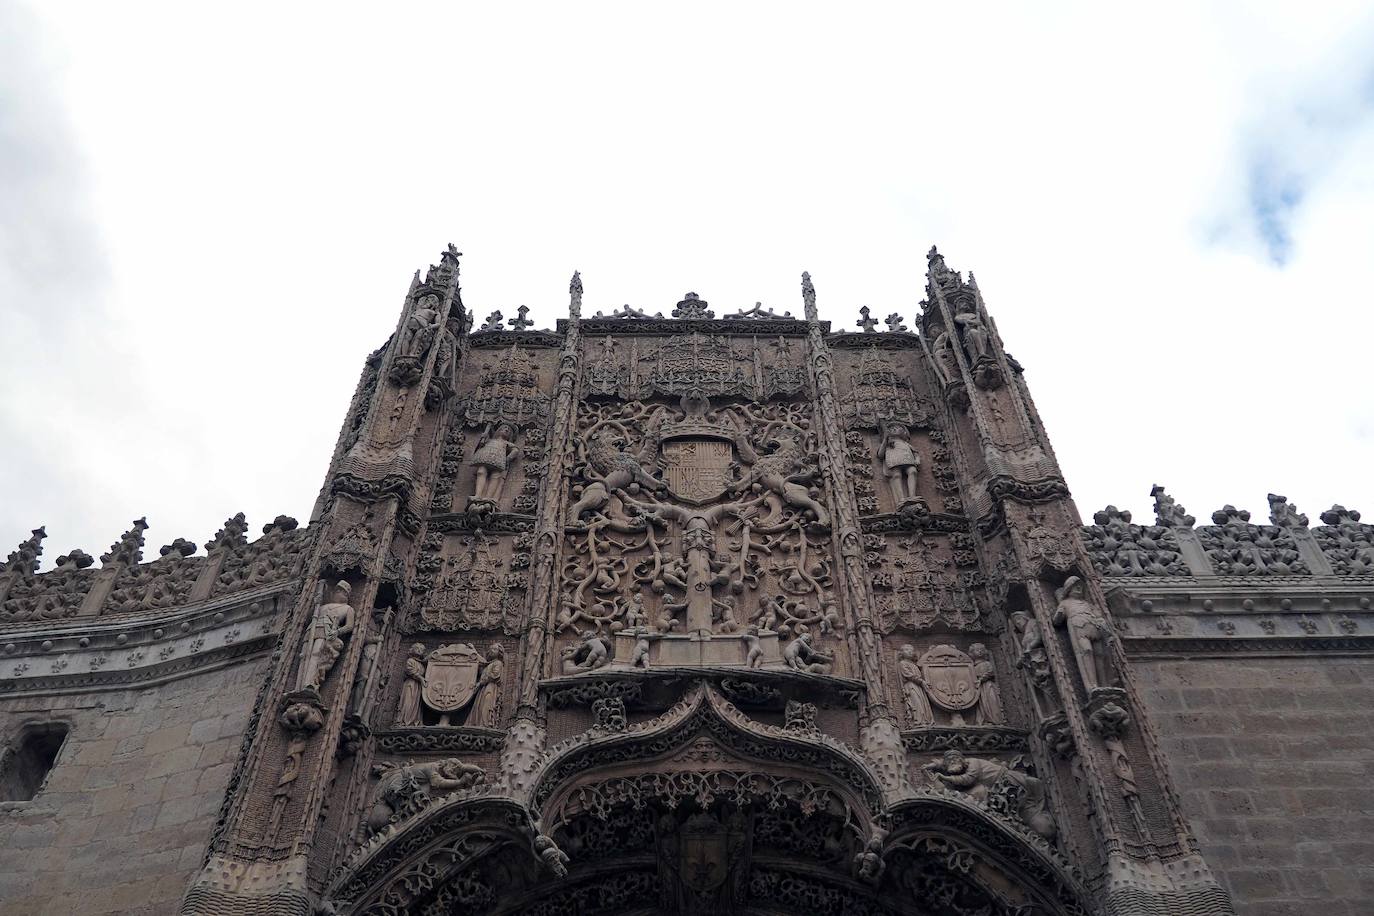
27, 763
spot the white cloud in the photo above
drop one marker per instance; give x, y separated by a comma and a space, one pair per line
262, 180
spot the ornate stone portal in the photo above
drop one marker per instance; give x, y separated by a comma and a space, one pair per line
695, 615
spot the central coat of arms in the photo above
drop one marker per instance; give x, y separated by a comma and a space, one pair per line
697, 469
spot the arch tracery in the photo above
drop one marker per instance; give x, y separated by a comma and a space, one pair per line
704, 810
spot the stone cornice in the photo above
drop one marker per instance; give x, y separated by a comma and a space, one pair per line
93, 654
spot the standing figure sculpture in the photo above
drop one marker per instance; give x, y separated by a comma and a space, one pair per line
975, 335
945, 361
420, 327
1087, 630
409, 712
913, 688
492, 460
484, 706
900, 463
333, 622
989, 702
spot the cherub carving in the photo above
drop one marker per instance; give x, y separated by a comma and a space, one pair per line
588, 655
800, 655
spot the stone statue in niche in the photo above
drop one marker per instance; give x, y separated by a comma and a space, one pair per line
900, 463
976, 338
405, 790
989, 701
420, 327
945, 360
456, 679
913, 688
982, 778
487, 701
1036, 662
1088, 633
590, 653
409, 712
329, 628
800, 655
492, 461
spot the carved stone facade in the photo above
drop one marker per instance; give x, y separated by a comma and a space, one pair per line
674, 614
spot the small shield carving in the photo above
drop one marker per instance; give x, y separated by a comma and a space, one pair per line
704, 850
451, 677
949, 678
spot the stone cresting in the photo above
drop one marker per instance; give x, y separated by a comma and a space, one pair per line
664, 611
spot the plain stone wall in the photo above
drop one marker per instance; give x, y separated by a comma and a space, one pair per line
1274, 760
122, 823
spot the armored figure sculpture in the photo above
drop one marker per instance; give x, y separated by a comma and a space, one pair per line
332, 623
913, 688
420, 327
800, 655
900, 463
1087, 630
492, 461
980, 778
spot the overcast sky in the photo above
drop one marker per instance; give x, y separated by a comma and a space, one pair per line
209, 216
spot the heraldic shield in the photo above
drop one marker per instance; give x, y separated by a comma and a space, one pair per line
697, 470
949, 678
451, 677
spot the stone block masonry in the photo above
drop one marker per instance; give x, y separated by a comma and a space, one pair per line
123, 818
1272, 759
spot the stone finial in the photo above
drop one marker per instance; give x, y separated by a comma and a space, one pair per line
25, 558
129, 548
179, 547
894, 323
75, 559
1169, 513
575, 295
809, 298
281, 523
231, 535
692, 306
938, 274
493, 322
520, 322
1340, 515
865, 321
1111, 515
1230, 515
1284, 514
